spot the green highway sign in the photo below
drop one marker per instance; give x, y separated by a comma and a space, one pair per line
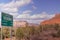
6, 20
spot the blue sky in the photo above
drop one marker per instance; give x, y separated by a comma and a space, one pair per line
33, 11
50, 6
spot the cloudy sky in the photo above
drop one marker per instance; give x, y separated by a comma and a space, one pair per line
33, 11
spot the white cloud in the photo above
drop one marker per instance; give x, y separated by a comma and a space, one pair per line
26, 14
13, 6
42, 15
35, 18
34, 7
22, 2
34, 21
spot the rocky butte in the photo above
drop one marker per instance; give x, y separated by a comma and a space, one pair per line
54, 20
20, 24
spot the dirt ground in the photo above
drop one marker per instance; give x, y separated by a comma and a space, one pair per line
10, 38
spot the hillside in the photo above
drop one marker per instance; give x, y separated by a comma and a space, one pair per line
54, 20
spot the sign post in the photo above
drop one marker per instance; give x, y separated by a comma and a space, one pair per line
6, 20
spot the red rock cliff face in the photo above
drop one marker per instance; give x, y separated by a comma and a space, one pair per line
53, 20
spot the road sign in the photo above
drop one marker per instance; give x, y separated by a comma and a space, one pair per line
6, 20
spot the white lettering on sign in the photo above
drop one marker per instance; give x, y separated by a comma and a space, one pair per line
7, 18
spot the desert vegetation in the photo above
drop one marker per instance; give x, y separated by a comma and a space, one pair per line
32, 33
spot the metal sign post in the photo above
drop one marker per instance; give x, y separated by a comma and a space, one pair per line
10, 33
1, 33
6, 20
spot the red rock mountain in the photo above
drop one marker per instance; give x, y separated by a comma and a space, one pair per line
54, 20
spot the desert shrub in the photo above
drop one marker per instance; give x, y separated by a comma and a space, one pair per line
19, 33
56, 26
40, 28
58, 33
26, 32
6, 32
